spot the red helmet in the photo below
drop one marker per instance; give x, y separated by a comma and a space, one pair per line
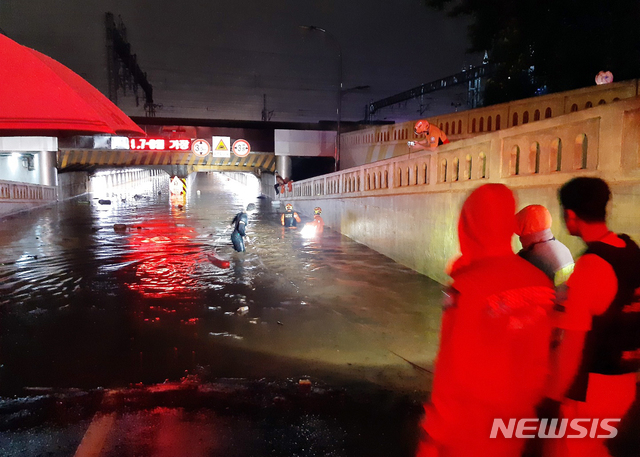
317, 210
288, 206
422, 126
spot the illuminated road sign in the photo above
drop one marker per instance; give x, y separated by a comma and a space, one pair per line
160, 144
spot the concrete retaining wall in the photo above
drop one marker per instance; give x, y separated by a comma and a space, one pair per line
407, 207
72, 184
17, 196
420, 231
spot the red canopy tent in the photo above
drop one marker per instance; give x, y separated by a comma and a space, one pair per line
40, 96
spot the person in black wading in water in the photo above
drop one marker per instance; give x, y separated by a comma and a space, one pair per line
239, 225
289, 218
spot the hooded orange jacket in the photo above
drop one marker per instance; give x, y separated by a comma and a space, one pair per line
495, 334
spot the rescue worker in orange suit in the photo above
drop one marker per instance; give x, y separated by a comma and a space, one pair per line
433, 136
282, 183
540, 247
279, 185
317, 222
290, 218
594, 371
494, 341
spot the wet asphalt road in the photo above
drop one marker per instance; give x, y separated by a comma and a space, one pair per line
302, 347
130, 342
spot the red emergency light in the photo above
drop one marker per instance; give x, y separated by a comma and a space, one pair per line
159, 144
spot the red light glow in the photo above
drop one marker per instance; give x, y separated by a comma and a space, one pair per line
159, 144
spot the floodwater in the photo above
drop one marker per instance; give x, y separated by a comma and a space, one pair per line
87, 306
84, 305
128, 341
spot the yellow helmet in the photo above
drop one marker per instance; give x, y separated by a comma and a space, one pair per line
317, 210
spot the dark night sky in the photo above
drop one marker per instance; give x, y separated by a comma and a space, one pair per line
216, 59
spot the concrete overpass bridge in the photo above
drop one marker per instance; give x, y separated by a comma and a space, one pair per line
174, 163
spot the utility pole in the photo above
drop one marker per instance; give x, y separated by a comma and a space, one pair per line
266, 115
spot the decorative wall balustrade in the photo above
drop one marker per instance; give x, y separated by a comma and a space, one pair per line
26, 192
606, 136
499, 117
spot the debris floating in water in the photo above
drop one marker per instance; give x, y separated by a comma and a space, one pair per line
226, 335
243, 310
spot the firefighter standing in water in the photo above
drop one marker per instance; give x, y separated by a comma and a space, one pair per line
433, 136
317, 222
239, 225
290, 218
494, 342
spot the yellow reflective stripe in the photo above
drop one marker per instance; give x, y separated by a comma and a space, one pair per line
65, 158
562, 275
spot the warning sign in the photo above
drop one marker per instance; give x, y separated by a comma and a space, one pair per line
200, 148
221, 143
241, 148
178, 186
221, 146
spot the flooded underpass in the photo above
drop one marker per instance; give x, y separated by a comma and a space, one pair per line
116, 317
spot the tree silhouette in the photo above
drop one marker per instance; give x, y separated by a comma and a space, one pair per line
550, 45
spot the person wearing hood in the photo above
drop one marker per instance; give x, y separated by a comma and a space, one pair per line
239, 225
540, 247
494, 342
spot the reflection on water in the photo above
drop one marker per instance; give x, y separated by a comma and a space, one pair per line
83, 304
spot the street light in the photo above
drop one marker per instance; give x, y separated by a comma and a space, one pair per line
336, 153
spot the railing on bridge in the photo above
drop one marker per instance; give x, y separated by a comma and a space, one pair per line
375, 143
406, 207
16, 191
604, 138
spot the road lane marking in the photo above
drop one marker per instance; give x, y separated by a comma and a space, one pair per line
96, 435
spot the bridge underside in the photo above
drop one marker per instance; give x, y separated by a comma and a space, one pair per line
174, 163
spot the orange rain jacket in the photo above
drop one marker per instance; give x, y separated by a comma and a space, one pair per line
495, 335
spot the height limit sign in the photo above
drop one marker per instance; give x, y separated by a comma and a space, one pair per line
241, 148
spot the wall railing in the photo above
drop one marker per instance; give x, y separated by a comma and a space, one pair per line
604, 138
16, 191
498, 117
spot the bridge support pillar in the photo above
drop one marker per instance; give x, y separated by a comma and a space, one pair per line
47, 168
283, 166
